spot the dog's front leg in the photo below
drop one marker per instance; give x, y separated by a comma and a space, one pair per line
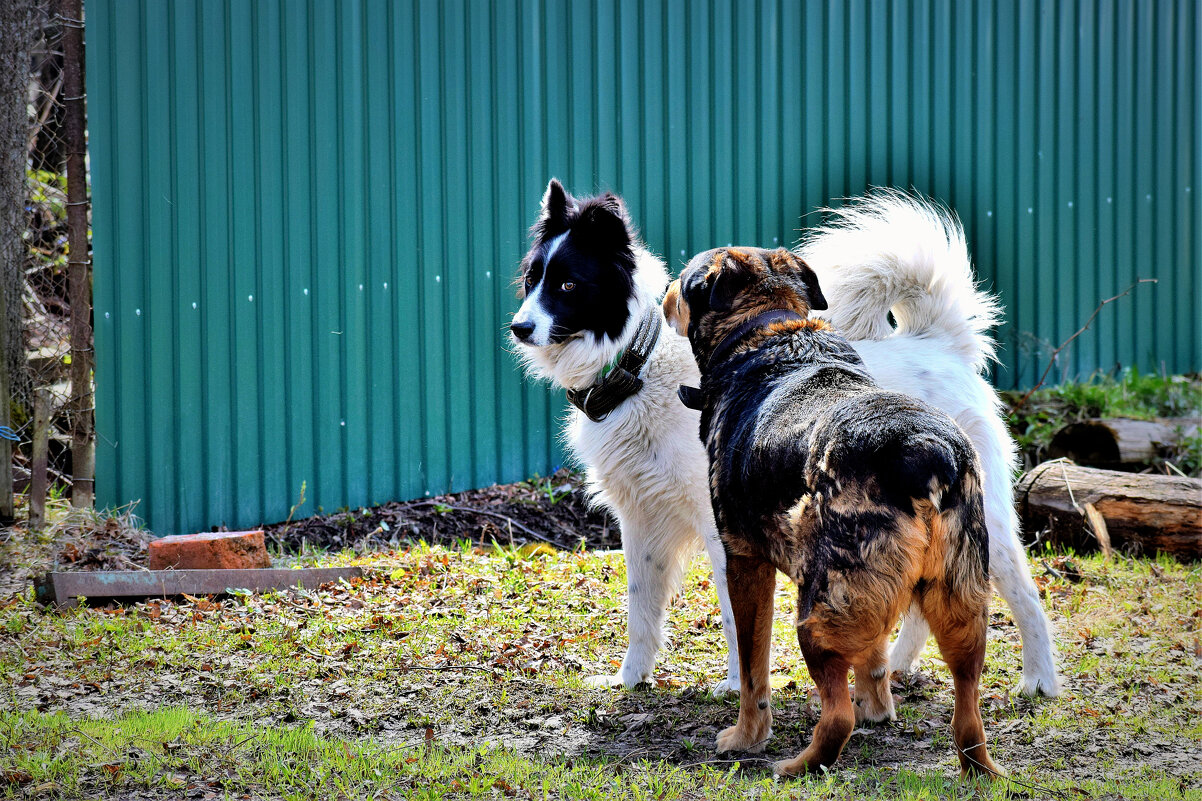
717, 555
655, 562
751, 582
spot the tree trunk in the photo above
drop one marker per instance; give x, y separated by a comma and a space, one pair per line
79, 279
16, 22
1143, 513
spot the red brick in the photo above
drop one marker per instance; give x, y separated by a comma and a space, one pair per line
222, 549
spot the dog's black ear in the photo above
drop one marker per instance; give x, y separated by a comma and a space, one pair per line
786, 261
813, 291
726, 284
603, 222
553, 217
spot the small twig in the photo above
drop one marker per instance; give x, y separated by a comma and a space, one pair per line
446, 668
749, 761
1069, 487
93, 739
1174, 468
996, 774
1052, 359
1052, 570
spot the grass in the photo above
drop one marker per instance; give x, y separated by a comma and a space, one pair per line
1125, 394
459, 673
169, 750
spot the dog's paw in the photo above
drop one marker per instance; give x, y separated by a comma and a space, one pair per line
789, 767
903, 663
607, 680
1047, 685
871, 710
736, 739
627, 679
725, 688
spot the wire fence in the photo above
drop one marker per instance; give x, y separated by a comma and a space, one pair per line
46, 304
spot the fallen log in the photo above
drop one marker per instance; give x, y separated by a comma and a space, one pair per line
1142, 513
1119, 442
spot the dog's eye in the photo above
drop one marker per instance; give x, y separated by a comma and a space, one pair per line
568, 286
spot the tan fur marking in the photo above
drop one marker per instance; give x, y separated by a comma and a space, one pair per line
675, 312
752, 582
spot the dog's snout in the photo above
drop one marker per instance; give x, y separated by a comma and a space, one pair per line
522, 329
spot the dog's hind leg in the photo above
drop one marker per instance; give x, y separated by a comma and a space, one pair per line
717, 555
903, 655
829, 671
1012, 578
1008, 566
752, 583
961, 637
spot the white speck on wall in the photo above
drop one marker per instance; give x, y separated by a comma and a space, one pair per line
488, 273
682, 251
194, 305
989, 213
250, 298
1070, 204
360, 287
138, 312
438, 279
1030, 210
1109, 200
306, 290
106, 315
1148, 197
386, 285
342, 423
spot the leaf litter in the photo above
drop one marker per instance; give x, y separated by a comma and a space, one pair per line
485, 644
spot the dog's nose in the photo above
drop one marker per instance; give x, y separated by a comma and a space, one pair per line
522, 329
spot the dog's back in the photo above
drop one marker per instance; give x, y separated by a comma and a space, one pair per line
858, 467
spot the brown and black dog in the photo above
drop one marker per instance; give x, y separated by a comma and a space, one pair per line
868, 500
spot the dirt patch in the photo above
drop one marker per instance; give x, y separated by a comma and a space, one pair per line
554, 510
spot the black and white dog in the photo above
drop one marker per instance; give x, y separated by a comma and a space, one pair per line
591, 321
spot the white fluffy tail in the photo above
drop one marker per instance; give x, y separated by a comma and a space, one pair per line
891, 251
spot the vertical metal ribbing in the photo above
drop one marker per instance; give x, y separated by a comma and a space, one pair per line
333, 144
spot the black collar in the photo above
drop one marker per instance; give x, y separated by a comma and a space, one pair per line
615, 386
691, 396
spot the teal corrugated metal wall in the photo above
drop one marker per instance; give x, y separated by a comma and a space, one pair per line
307, 214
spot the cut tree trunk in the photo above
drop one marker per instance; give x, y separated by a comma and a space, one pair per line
1143, 513
1118, 442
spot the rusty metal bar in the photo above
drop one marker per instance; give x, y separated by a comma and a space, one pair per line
41, 452
66, 588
